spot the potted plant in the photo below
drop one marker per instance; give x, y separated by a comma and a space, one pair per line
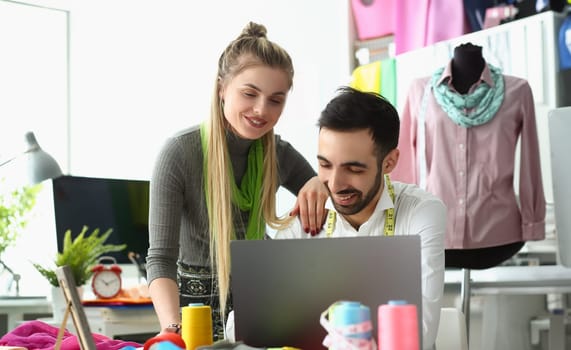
80, 254
14, 209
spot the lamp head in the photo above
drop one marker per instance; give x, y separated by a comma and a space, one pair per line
41, 166
31, 142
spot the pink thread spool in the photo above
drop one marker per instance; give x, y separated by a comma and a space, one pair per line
398, 326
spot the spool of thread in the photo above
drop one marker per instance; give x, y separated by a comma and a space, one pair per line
350, 323
172, 338
196, 325
398, 326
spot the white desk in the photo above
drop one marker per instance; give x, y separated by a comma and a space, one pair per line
522, 280
541, 279
15, 309
112, 321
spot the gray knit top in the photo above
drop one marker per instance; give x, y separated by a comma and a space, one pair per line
178, 218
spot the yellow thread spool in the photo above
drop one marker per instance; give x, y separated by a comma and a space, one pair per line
196, 325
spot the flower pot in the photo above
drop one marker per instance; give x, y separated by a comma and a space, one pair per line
59, 304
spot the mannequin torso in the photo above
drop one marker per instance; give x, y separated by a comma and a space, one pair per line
467, 66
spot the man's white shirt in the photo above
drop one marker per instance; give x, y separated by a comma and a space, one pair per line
417, 212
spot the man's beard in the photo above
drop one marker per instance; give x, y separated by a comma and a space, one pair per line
361, 202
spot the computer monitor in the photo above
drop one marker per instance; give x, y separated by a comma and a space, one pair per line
118, 204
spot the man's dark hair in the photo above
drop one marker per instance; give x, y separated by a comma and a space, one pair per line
354, 110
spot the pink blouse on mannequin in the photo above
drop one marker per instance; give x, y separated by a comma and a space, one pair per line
472, 169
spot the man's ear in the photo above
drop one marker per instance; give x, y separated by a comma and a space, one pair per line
391, 160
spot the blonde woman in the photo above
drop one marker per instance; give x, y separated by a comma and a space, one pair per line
217, 181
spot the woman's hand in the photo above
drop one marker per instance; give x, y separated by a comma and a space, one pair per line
310, 205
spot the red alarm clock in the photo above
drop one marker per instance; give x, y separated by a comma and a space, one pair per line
106, 281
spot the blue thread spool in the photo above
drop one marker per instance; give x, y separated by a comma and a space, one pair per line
346, 313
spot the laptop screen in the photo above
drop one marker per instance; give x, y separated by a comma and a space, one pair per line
281, 287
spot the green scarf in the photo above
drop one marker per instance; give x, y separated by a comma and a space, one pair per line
249, 195
473, 109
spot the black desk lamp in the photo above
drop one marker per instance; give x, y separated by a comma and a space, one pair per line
41, 166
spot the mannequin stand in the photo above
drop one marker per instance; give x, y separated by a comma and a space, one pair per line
479, 259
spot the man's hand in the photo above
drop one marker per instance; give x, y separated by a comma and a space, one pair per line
310, 206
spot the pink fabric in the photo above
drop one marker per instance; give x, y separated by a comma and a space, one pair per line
374, 20
420, 23
472, 169
40, 335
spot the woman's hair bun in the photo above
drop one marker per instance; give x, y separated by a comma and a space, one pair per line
254, 30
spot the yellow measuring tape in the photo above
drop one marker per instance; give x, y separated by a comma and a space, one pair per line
389, 229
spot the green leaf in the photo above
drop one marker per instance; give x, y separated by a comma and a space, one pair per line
15, 208
80, 254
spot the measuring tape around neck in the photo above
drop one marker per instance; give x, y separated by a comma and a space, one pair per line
389, 229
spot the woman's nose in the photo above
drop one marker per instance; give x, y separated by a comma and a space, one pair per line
259, 107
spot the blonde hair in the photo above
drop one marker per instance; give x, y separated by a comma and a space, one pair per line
250, 48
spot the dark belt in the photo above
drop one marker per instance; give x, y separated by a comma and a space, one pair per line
199, 285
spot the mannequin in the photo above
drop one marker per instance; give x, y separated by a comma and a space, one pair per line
467, 66
469, 160
481, 258
460, 127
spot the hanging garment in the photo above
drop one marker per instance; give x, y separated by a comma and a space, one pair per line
472, 169
423, 22
389, 80
379, 77
367, 77
476, 12
565, 44
373, 18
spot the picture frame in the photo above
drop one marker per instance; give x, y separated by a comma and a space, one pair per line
75, 308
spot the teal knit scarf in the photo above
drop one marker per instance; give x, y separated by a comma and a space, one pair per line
248, 196
473, 109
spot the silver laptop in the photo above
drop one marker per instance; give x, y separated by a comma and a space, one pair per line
281, 287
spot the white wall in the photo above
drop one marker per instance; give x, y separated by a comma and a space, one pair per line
141, 70
33, 67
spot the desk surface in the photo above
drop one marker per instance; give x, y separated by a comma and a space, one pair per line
15, 309
540, 279
23, 302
